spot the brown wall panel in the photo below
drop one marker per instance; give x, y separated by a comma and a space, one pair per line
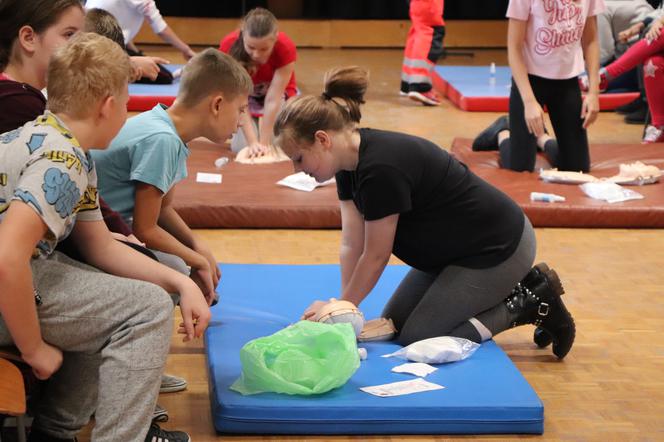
337, 33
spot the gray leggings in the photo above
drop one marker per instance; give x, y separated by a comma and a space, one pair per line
428, 305
114, 334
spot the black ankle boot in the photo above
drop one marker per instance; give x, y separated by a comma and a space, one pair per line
538, 302
541, 337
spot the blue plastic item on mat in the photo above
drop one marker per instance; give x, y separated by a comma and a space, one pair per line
485, 393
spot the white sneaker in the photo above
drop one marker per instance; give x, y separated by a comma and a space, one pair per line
429, 98
653, 135
171, 384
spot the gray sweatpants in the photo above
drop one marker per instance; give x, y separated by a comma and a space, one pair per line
428, 305
114, 333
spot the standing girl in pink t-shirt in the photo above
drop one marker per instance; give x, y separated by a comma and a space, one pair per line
548, 42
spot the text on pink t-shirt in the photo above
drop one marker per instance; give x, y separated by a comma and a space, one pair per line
553, 35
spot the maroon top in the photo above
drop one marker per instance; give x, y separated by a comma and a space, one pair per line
21, 103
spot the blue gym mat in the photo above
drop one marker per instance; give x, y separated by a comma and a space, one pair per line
483, 394
471, 89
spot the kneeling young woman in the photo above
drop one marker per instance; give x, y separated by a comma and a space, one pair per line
471, 248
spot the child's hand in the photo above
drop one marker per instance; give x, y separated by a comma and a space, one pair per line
257, 149
148, 66
202, 276
45, 360
534, 118
590, 109
188, 54
195, 313
205, 251
624, 36
654, 31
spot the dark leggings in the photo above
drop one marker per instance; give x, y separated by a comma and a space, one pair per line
563, 101
426, 305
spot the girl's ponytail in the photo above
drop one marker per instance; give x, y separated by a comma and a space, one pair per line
349, 84
337, 108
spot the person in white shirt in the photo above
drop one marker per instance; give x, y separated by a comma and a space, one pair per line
131, 14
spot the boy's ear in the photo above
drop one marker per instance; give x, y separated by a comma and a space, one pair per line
106, 107
215, 103
27, 38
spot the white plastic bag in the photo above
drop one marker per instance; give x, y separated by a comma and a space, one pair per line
610, 192
437, 350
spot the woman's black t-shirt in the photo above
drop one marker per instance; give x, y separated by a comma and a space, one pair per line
447, 214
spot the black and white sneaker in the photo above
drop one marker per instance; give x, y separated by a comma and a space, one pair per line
157, 434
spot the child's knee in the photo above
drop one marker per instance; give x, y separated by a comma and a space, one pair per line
155, 304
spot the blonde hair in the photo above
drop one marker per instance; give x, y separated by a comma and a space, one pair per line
84, 71
212, 71
337, 108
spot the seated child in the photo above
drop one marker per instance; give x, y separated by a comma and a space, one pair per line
72, 322
103, 23
139, 171
132, 13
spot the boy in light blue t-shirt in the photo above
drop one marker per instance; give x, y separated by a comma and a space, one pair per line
138, 172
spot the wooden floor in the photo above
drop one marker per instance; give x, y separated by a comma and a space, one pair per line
611, 385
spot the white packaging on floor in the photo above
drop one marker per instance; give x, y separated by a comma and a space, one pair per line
437, 350
610, 192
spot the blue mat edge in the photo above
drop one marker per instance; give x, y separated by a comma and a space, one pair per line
232, 425
503, 80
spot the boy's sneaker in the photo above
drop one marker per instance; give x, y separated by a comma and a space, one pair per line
429, 98
653, 135
171, 384
157, 434
160, 414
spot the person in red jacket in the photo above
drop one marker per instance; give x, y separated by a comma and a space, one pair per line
423, 49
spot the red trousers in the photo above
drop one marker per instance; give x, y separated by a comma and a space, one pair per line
424, 45
652, 57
